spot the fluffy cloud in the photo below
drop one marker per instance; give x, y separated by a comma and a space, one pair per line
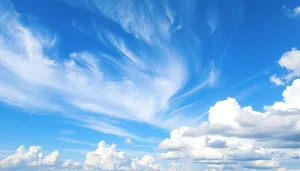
246, 139
107, 157
291, 61
217, 116
290, 103
49, 160
240, 136
33, 158
146, 163
186, 147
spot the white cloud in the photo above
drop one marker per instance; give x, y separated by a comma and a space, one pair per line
276, 80
49, 160
138, 87
293, 13
153, 25
210, 81
245, 137
80, 81
105, 127
33, 158
297, 11
22, 155
150, 24
291, 61
217, 113
186, 147
291, 98
11, 95
146, 163
107, 157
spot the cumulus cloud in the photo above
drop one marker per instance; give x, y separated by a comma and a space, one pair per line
33, 158
107, 157
240, 135
291, 61
194, 149
290, 103
217, 116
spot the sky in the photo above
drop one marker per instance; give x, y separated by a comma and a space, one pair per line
149, 85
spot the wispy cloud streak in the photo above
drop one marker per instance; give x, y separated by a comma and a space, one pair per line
143, 82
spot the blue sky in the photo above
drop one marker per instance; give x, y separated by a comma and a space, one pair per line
149, 85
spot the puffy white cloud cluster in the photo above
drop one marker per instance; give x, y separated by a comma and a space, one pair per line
107, 157
290, 60
239, 137
33, 157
